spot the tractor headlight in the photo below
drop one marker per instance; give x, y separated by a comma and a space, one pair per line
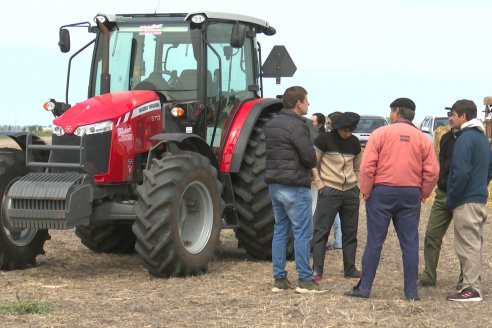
99, 127
57, 130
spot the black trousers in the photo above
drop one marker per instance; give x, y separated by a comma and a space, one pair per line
330, 202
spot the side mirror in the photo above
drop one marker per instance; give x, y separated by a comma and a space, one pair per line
238, 35
64, 42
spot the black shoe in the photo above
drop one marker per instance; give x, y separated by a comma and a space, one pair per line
425, 283
468, 294
355, 292
354, 274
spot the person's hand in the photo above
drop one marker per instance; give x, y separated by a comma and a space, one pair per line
321, 190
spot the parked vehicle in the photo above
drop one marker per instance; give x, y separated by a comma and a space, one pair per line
366, 125
168, 148
431, 122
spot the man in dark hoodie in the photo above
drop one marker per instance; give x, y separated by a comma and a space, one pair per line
339, 157
470, 173
290, 157
440, 216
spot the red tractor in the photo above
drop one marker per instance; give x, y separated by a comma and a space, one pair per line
168, 148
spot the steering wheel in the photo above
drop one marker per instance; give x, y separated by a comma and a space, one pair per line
173, 82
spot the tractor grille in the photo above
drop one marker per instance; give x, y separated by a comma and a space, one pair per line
98, 147
39, 204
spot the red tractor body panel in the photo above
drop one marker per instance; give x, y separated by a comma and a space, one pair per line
234, 133
136, 116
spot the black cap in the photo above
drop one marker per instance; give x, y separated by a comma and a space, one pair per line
403, 102
346, 120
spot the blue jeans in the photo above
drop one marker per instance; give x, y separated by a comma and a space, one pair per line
337, 233
293, 212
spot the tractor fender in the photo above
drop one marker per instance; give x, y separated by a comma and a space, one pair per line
246, 124
21, 137
184, 141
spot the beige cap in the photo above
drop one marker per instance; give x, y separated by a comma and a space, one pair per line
487, 100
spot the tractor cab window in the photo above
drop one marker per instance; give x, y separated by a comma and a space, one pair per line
152, 57
232, 74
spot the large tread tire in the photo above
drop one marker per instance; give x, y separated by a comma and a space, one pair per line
253, 203
18, 247
179, 215
108, 238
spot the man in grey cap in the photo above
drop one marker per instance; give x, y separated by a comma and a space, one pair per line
399, 169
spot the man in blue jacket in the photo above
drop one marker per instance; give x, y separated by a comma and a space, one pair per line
470, 173
290, 156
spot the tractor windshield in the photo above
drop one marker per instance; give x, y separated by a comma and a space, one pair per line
168, 58
150, 56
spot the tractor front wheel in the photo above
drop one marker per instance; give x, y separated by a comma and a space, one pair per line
19, 247
179, 215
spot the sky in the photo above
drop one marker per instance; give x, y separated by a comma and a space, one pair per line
351, 55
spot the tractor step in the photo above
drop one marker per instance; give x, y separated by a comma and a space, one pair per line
50, 201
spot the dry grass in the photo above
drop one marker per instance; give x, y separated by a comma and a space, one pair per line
84, 289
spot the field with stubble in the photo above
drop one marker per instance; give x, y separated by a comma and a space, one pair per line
85, 289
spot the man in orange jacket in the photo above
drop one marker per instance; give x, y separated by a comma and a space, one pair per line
399, 169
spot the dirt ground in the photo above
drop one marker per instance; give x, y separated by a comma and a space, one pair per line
84, 289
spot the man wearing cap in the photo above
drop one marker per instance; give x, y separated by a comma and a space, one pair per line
440, 215
399, 169
469, 175
339, 157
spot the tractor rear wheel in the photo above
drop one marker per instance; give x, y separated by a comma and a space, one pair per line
253, 203
19, 247
108, 238
179, 215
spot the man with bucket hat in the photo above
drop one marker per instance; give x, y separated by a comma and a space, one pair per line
336, 176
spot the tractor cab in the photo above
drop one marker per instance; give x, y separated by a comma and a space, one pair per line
202, 65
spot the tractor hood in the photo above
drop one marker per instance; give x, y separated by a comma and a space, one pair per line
101, 108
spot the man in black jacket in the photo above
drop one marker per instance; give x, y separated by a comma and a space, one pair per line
290, 156
440, 216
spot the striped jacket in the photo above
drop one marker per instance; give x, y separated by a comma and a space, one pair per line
338, 161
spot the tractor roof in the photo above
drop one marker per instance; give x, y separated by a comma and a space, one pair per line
262, 25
